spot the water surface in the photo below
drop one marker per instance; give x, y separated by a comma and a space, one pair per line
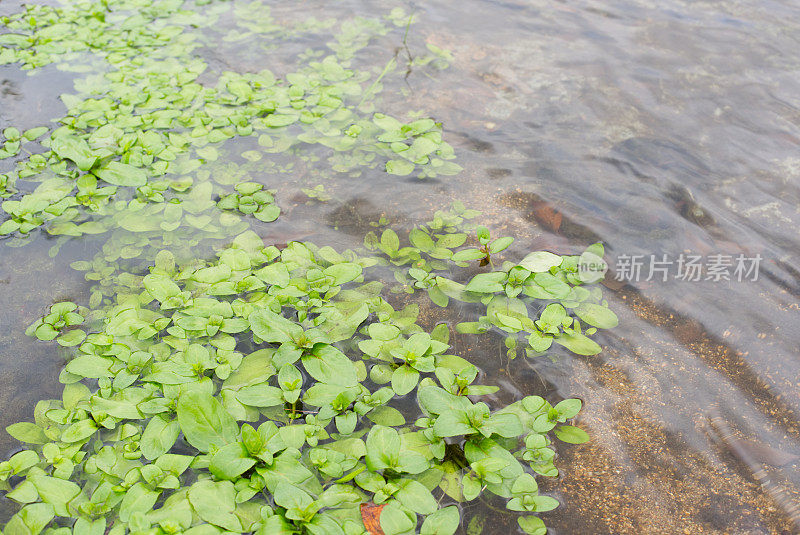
662, 128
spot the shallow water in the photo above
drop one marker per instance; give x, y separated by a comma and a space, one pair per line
658, 129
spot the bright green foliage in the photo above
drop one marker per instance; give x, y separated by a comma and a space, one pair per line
57, 324
14, 144
251, 198
143, 120
528, 300
265, 390
234, 393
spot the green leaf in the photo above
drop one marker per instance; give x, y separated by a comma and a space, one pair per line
321, 394
90, 366
508, 313
30, 520
268, 213
421, 240
451, 481
475, 451
420, 126
214, 503
571, 434
329, 365
383, 331
553, 314
452, 424
399, 167
525, 483
544, 503
436, 400
138, 499
383, 448
597, 315
388, 416
122, 174
532, 525
476, 525
404, 380
465, 255
540, 261
538, 342
57, 492
161, 287
158, 437
546, 286
34, 133
500, 244
79, 431
437, 296
71, 338
277, 120
275, 274
380, 374
568, 408
231, 461
213, 274
486, 282
443, 522
260, 395
578, 343
45, 332
416, 497
390, 241
291, 497
272, 327
75, 149
397, 521
386, 122
204, 421
90, 527
344, 272
504, 424
27, 432
276, 525
23, 460
342, 327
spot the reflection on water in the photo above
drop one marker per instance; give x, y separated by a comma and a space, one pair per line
660, 130
657, 128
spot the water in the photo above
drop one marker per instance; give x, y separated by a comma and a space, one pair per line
657, 128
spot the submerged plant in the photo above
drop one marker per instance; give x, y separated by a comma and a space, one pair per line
252, 198
56, 324
266, 390
144, 120
515, 294
317, 193
262, 392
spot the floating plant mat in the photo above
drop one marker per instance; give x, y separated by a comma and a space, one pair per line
216, 382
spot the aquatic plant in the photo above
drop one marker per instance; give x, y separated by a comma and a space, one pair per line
269, 391
252, 198
265, 390
142, 120
510, 293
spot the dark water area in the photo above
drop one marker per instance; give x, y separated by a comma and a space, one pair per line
664, 130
